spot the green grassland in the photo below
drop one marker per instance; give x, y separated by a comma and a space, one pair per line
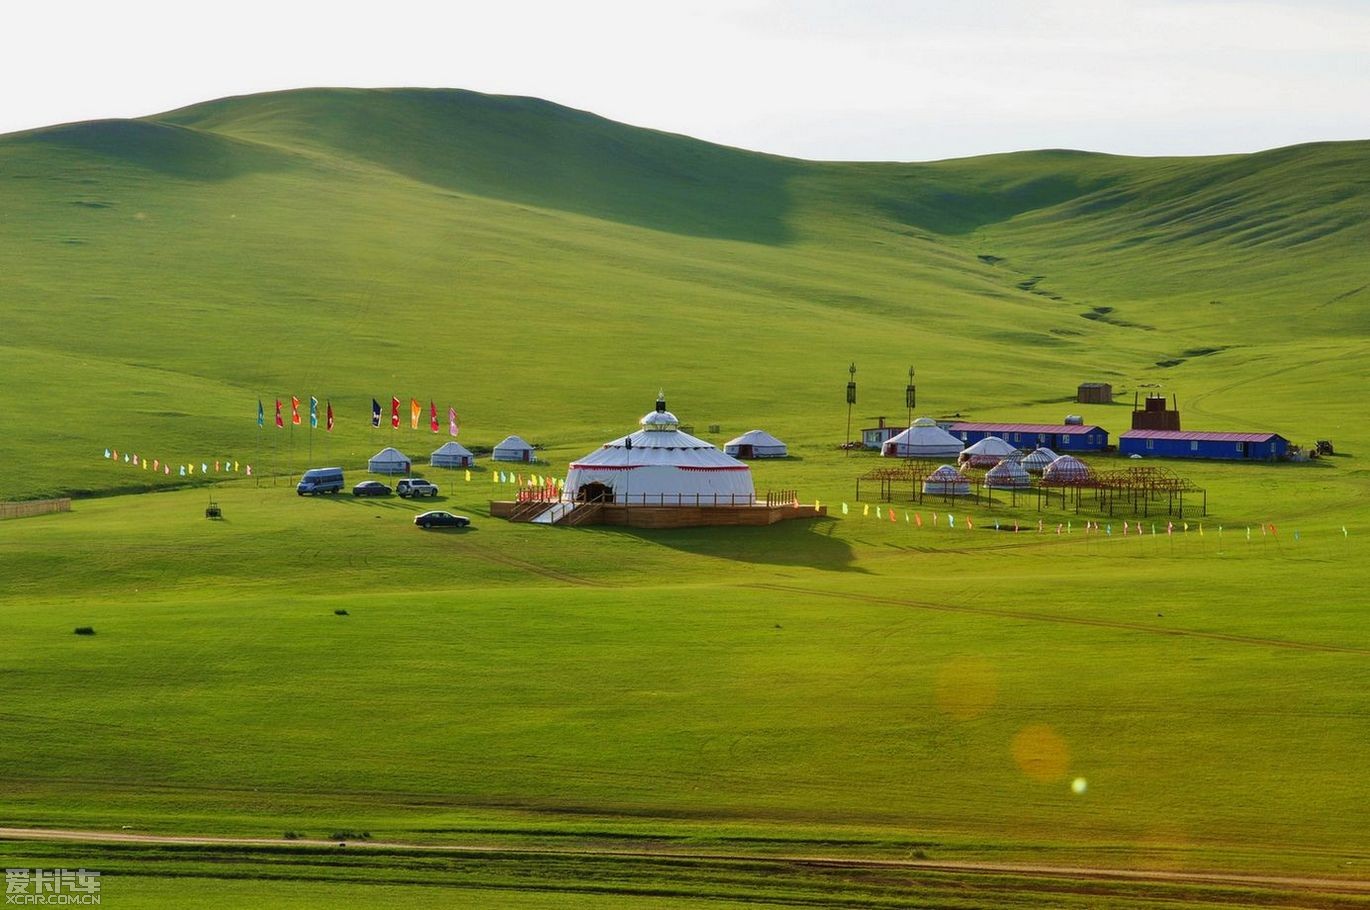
847, 687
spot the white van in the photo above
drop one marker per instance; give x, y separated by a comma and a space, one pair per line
321, 480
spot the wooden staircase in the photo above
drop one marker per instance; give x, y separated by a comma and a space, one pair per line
585, 513
527, 511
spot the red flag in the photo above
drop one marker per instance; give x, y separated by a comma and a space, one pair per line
395, 412
280, 421
432, 415
294, 410
329, 419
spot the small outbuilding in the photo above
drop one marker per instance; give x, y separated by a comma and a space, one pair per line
513, 448
451, 455
1094, 393
755, 444
946, 481
925, 439
389, 460
987, 453
1199, 444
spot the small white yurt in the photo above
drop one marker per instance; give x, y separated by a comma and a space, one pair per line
987, 453
755, 444
388, 460
1036, 461
513, 448
946, 481
1008, 475
1067, 471
925, 439
451, 455
660, 465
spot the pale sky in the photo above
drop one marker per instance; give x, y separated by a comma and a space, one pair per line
875, 80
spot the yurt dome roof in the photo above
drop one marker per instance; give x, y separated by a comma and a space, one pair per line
1066, 469
991, 445
754, 438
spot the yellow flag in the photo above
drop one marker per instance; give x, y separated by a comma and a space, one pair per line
866, 509
468, 476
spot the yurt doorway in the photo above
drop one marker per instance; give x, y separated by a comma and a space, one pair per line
744, 451
595, 492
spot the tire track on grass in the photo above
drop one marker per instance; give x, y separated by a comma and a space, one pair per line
1307, 885
1067, 620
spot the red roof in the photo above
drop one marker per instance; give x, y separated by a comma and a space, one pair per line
1067, 429
1199, 436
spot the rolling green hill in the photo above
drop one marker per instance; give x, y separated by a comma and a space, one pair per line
163, 274
854, 687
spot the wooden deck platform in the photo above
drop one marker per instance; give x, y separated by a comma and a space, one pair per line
690, 516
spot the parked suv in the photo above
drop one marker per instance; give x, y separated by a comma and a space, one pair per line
416, 486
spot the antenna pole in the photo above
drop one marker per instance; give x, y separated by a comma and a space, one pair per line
851, 400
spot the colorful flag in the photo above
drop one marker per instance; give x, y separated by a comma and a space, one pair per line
280, 421
328, 417
375, 413
453, 425
414, 410
249, 470
135, 461
892, 518
261, 414
183, 470
432, 416
918, 519
166, 469
294, 410
106, 453
313, 413
394, 412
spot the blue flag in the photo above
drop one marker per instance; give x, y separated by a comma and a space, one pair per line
261, 414
375, 413
313, 412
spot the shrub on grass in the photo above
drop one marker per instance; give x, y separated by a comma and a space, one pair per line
85, 630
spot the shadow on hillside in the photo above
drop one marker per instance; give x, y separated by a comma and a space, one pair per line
808, 543
164, 148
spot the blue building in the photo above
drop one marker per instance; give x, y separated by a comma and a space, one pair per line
1059, 437
1183, 444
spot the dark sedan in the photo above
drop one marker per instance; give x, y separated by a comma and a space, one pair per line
441, 520
370, 488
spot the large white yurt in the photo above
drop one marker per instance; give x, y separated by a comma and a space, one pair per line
513, 448
1008, 475
451, 455
1067, 471
755, 444
388, 460
987, 453
660, 465
925, 439
1036, 461
946, 481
